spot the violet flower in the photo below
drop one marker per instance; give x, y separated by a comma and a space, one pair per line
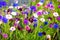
58, 18
5, 35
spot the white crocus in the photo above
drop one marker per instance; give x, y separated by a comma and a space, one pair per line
14, 13
8, 16
42, 19
12, 29
55, 14
35, 15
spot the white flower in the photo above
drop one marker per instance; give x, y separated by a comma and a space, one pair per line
16, 1
48, 36
17, 22
8, 16
45, 13
16, 7
40, 3
10, 6
35, 15
19, 7
14, 13
55, 14
12, 29
42, 19
1, 22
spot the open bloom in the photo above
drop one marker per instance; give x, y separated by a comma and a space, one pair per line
1, 22
40, 34
5, 35
45, 13
55, 14
12, 29
10, 7
58, 18
25, 21
14, 13
27, 28
8, 16
42, 19
35, 15
39, 4
5, 20
39, 13
48, 36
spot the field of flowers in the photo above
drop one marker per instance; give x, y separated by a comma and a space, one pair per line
33, 20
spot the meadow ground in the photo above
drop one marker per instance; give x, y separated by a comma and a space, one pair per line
18, 25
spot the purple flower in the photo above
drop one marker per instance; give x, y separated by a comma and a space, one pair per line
34, 19
48, 5
1, 17
44, 33
41, 26
51, 25
42, 1
5, 20
0, 4
20, 28
25, 21
59, 6
5, 35
49, 18
0, 31
45, 23
4, 3
50, 2
40, 34
15, 4
55, 25
20, 9
33, 8
58, 18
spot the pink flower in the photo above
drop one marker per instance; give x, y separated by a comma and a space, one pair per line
38, 4
12, 28
51, 25
27, 28
33, 0
39, 13
58, 0
45, 6
5, 35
